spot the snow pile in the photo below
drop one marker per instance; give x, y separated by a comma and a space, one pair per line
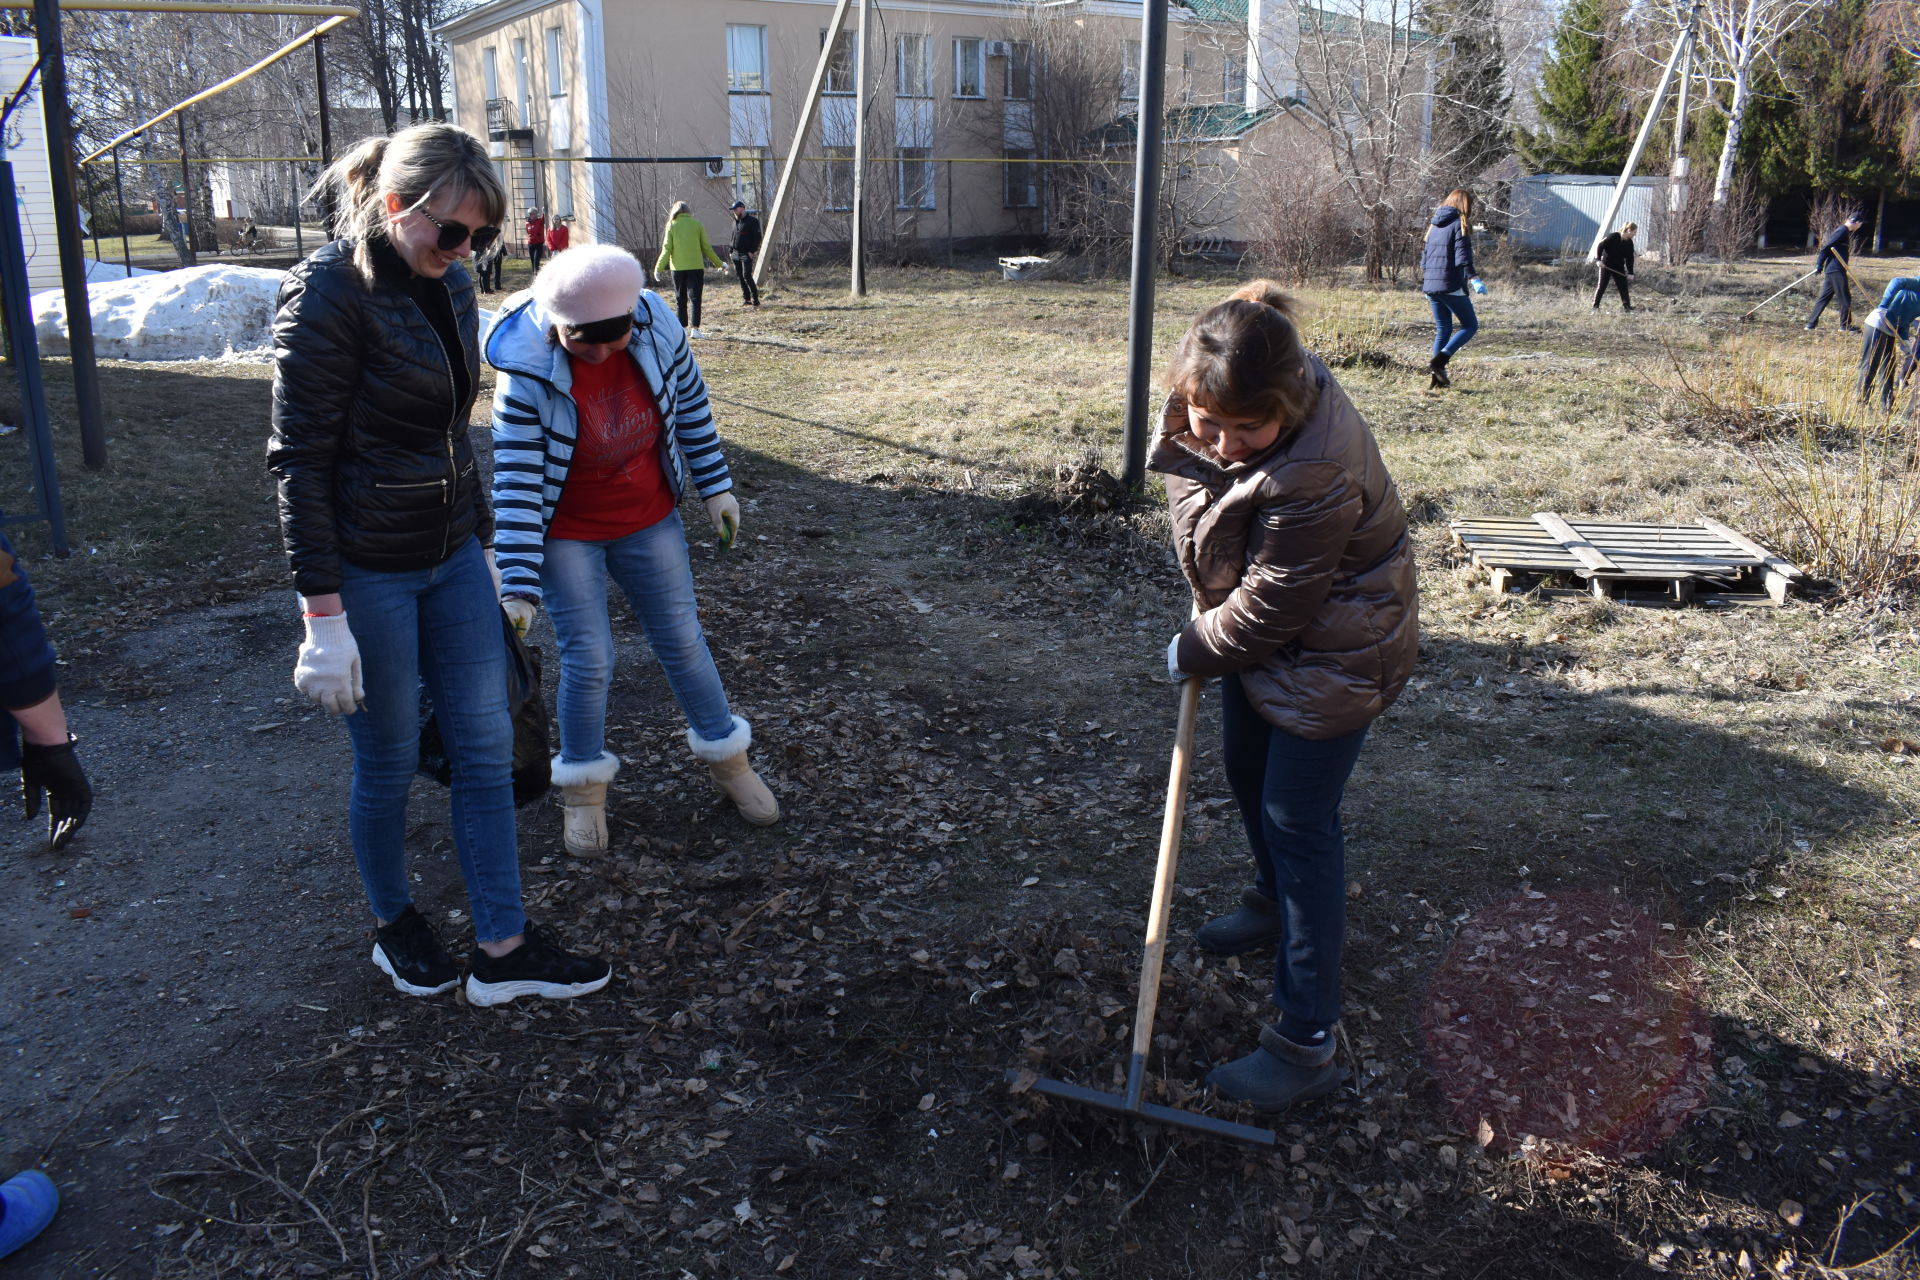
193, 313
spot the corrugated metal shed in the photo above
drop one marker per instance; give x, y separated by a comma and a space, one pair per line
1560, 212
26, 144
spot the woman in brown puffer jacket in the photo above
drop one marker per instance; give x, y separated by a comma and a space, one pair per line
1291, 535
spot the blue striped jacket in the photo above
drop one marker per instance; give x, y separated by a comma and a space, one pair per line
535, 423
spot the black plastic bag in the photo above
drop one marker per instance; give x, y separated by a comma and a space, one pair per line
532, 755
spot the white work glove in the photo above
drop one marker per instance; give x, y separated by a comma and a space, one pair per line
519, 611
1174, 673
723, 509
329, 667
493, 568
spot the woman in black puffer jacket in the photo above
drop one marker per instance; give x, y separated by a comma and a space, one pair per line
1446, 277
385, 518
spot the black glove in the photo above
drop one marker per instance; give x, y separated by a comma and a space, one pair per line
56, 771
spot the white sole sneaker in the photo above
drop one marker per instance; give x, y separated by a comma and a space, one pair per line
400, 984
488, 994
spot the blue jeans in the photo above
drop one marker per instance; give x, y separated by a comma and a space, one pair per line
1289, 789
440, 626
1446, 308
652, 568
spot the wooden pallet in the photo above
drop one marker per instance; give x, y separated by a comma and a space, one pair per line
1619, 561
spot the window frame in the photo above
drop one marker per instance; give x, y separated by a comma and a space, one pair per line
1019, 55
979, 67
849, 73
900, 44
1027, 173
1130, 71
736, 75
919, 156
839, 160
556, 62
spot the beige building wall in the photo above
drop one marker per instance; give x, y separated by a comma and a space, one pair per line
672, 82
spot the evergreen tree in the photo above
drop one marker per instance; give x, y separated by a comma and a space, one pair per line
1472, 124
1585, 126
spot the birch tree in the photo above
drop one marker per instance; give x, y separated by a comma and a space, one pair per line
1737, 42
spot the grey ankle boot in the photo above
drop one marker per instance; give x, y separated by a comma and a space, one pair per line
1279, 1073
1255, 924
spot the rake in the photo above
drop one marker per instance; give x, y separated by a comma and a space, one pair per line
1133, 1103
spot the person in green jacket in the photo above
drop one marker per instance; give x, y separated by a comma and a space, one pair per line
687, 250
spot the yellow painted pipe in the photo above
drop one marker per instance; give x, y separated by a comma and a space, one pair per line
339, 15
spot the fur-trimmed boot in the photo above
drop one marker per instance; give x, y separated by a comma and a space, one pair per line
583, 790
726, 760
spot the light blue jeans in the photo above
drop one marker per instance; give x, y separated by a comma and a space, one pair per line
652, 569
1447, 308
440, 626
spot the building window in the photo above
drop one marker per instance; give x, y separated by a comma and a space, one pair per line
556, 65
839, 168
969, 68
1233, 77
915, 166
1020, 181
840, 64
1020, 70
750, 169
522, 90
490, 71
746, 59
1129, 71
562, 189
913, 67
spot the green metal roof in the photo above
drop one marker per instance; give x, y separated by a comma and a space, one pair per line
1217, 10
1216, 121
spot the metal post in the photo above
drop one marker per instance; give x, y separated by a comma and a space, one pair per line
1678, 171
1646, 129
859, 246
949, 213
326, 129
1146, 219
120, 199
809, 108
26, 361
73, 274
299, 238
186, 190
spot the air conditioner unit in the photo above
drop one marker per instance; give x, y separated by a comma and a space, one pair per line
719, 168
999, 49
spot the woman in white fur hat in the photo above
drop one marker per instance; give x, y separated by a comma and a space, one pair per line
600, 421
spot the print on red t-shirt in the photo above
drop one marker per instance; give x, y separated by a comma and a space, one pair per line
615, 485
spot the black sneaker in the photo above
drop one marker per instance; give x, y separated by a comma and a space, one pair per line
537, 967
409, 952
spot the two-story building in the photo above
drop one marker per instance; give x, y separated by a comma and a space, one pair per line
609, 110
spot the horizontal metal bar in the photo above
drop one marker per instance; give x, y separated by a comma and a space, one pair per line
171, 160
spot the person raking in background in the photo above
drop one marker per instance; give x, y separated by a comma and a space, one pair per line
34, 739
376, 365
746, 248
1294, 543
1831, 262
600, 422
1888, 325
1447, 274
685, 249
559, 235
1614, 254
536, 229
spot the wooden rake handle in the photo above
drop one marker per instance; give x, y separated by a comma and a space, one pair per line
1163, 881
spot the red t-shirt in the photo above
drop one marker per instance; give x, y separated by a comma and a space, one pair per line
616, 485
557, 236
537, 232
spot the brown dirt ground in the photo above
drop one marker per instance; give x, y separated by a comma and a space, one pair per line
798, 1069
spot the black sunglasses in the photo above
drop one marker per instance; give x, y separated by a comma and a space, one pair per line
452, 233
599, 331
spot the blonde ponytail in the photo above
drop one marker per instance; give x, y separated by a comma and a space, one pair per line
415, 163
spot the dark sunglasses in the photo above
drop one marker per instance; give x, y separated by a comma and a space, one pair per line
599, 331
452, 233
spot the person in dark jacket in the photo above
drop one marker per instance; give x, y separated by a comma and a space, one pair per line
1886, 327
1614, 254
1294, 542
33, 733
386, 522
1831, 262
746, 247
1446, 271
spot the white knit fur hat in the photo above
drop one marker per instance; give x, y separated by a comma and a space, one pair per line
592, 282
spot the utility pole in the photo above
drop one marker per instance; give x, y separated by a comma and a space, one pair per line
859, 247
1680, 50
808, 110
1146, 219
73, 270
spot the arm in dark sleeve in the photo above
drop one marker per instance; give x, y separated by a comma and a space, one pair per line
317, 361
1301, 542
1465, 251
26, 659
